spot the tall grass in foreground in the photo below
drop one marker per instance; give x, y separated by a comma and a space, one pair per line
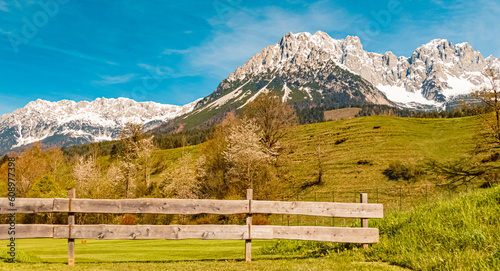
463, 233
458, 234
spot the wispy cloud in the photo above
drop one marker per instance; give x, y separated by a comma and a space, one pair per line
463, 21
176, 51
5, 32
241, 33
3, 6
157, 71
73, 53
111, 80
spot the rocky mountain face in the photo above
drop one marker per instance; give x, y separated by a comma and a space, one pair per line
434, 72
67, 123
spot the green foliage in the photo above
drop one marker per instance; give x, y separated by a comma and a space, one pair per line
21, 257
310, 115
4, 159
46, 187
180, 139
399, 171
298, 248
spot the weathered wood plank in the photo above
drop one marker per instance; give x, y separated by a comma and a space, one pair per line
178, 232
170, 232
330, 209
24, 231
153, 206
193, 206
328, 234
26, 206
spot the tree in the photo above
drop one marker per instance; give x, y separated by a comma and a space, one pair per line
46, 187
31, 165
180, 180
86, 173
245, 154
114, 177
136, 156
273, 117
489, 95
212, 167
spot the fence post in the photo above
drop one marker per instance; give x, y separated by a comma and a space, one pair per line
400, 198
333, 200
363, 198
283, 215
298, 218
315, 217
426, 199
71, 222
248, 242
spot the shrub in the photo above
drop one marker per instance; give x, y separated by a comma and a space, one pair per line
365, 162
260, 220
399, 171
340, 140
129, 219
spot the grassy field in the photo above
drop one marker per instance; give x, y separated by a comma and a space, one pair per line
48, 254
457, 234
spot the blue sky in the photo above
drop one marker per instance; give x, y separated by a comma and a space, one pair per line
176, 51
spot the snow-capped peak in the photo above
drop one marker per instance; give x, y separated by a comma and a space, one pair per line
434, 72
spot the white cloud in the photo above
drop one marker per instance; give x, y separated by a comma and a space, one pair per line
241, 33
157, 71
111, 80
474, 22
3, 6
176, 51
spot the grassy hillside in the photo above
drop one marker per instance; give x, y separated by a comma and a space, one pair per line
353, 153
376, 141
459, 234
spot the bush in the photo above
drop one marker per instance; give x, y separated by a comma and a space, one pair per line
399, 171
365, 162
129, 219
260, 220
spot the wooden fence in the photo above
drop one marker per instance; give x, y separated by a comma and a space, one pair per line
72, 205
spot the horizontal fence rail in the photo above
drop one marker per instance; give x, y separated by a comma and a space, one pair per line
191, 207
72, 205
206, 232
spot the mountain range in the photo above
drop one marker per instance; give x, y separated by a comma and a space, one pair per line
67, 122
308, 70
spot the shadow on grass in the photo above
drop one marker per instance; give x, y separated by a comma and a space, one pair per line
185, 261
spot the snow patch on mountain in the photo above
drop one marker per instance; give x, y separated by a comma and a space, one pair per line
400, 95
286, 94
